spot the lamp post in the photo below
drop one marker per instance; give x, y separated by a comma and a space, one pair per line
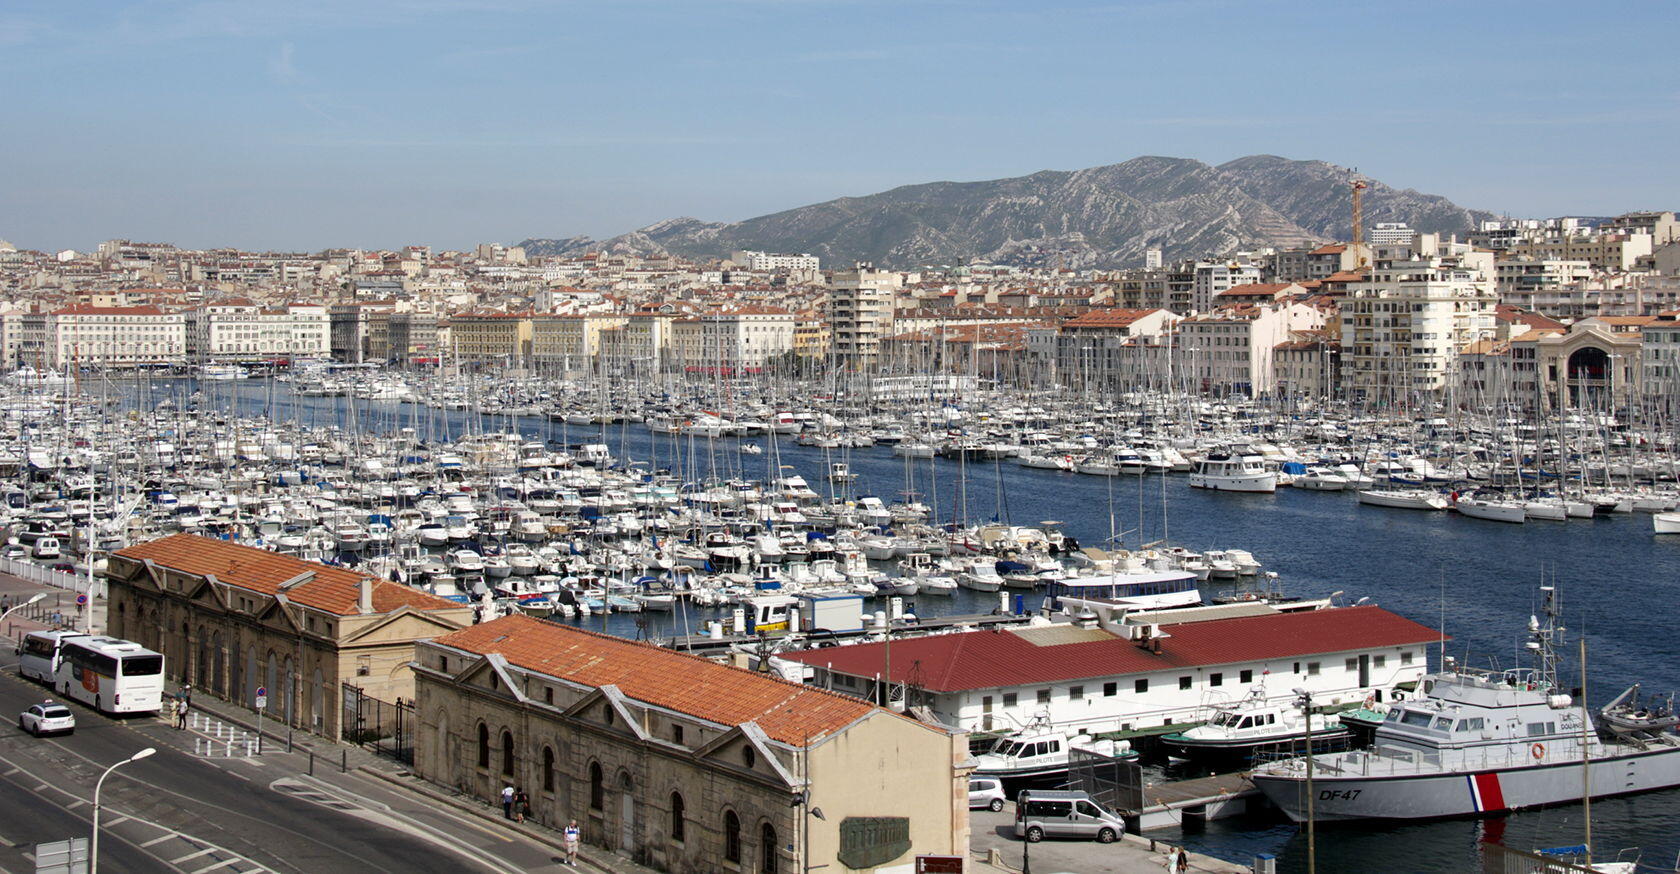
93, 845
22, 604
1303, 700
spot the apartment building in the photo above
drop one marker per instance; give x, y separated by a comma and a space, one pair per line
861, 302
412, 337
1535, 283
84, 335
360, 332
569, 342
1231, 350
1098, 347
491, 337
1660, 361
1307, 365
1212, 279
1404, 324
239, 329
748, 337
768, 262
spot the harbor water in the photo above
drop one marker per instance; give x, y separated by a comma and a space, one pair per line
1476, 580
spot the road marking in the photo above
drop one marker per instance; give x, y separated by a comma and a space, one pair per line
39, 787
157, 840
13, 771
204, 852
121, 818
74, 804
222, 864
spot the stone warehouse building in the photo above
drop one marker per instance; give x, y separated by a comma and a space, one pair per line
231, 618
685, 764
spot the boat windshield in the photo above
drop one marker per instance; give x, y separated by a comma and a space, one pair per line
1413, 717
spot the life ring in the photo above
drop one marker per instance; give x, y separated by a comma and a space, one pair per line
1538, 751
1370, 701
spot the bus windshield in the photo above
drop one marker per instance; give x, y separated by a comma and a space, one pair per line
142, 666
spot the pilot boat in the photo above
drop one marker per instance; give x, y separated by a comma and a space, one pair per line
1238, 729
1479, 742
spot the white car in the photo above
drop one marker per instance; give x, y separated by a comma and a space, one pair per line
986, 792
48, 717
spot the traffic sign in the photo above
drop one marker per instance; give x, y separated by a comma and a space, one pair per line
81, 600
262, 702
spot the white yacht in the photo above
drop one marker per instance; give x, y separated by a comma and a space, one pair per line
1041, 752
1491, 509
1239, 729
1404, 499
1227, 472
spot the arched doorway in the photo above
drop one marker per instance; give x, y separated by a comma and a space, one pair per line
218, 668
1590, 373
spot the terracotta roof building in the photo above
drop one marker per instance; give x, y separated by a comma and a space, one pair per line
682, 763
230, 619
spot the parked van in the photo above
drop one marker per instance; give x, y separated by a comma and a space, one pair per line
1061, 814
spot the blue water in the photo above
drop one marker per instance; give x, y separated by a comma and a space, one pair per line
1476, 579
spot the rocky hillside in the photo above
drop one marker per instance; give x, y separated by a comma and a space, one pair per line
1102, 216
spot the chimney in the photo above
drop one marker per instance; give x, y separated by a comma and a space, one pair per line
364, 595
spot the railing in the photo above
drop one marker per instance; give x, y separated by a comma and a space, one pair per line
34, 573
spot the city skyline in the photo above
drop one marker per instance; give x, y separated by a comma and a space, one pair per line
450, 122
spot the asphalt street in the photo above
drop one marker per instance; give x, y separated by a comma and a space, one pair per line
178, 811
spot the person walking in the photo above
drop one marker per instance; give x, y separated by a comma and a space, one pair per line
521, 804
572, 836
507, 801
181, 709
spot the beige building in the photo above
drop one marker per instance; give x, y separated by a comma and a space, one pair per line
230, 619
491, 336
569, 342
684, 764
860, 312
115, 336
238, 329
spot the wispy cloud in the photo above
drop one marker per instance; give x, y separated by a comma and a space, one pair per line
281, 67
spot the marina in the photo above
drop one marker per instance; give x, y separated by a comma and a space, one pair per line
1319, 542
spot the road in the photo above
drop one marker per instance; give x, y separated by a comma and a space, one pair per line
181, 812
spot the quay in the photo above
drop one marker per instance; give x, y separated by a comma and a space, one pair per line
1194, 801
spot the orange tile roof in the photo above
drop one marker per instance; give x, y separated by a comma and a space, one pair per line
1107, 318
333, 589
83, 309
787, 712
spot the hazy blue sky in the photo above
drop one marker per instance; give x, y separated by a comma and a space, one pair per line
308, 123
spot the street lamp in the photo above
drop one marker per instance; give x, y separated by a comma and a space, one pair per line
93, 846
32, 599
1303, 700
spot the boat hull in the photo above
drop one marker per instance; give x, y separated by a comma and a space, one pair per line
1346, 797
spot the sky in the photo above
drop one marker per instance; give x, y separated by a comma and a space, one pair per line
306, 124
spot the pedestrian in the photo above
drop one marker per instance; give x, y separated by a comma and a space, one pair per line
5, 603
571, 843
521, 804
181, 708
507, 801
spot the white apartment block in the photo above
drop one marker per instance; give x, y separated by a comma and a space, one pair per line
769, 262
1404, 325
861, 304
1391, 234
746, 338
1660, 360
1231, 350
242, 330
1524, 281
1213, 278
114, 337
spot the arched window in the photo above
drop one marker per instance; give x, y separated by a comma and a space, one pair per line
507, 753
548, 769
483, 745
597, 791
731, 836
767, 849
677, 813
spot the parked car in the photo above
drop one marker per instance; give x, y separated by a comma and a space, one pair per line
48, 717
986, 792
1065, 814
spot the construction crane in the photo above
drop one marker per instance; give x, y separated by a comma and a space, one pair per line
1359, 185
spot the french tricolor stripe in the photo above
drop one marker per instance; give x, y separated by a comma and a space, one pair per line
1485, 793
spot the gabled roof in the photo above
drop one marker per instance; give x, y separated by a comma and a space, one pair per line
996, 659
333, 589
786, 711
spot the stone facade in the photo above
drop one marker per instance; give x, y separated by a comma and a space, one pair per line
661, 764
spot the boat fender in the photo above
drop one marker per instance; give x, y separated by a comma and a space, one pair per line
1538, 751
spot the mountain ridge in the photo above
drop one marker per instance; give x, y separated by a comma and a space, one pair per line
1104, 216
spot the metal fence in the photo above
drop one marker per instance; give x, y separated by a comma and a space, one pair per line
386, 728
1115, 783
48, 577
1500, 859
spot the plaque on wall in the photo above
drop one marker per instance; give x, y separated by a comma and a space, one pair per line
869, 841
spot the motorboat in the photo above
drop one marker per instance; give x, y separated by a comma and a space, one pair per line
1042, 752
1237, 730
1228, 472
1666, 523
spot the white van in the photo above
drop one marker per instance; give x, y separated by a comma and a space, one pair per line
1062, 814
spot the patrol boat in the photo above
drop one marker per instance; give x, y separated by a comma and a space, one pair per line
1476, 743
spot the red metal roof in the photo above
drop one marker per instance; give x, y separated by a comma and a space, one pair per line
995, 659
